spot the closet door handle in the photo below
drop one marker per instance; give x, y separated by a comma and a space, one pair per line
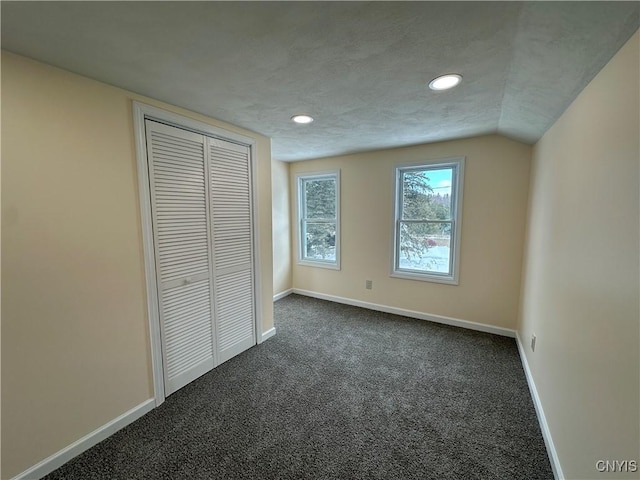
187, 281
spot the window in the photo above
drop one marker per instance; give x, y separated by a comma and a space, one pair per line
427, 221
319, 219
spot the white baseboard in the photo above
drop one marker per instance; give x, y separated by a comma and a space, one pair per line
456, 322
269, 333
542, 420
58, 459
280, 295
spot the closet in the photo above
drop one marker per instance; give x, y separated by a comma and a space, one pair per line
202, 219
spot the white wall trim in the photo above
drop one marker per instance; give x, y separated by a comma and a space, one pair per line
280, 295
268, 334
542, 420
456, 322
144, 198
58, 459
255, 230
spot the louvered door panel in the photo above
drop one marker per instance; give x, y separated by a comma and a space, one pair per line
234, 311
183, 263
231, 211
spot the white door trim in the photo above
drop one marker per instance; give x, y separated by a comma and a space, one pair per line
140, 112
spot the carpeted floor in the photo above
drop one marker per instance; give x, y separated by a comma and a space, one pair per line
340, 393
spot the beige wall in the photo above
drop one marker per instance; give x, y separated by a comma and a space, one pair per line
581, 282
495, 201
75, 343
281, 227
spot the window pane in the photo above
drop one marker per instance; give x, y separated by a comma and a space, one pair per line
426, 194
320, 241
425, 247
320, 198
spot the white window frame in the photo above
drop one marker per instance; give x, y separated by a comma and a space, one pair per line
300, 178
457, 163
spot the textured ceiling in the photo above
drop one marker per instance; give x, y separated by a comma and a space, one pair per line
359, 68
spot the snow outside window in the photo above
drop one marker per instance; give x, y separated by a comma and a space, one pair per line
427, 221
319, 219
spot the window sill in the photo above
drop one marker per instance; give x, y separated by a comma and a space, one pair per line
310, 263
425, 277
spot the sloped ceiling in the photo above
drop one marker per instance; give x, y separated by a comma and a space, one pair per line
360, 68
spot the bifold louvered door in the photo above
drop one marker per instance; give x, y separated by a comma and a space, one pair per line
183, 179
232, 247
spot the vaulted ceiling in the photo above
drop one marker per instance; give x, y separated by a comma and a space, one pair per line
361, 69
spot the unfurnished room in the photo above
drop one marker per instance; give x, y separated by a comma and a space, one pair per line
320, 240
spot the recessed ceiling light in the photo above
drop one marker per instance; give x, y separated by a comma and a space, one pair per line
302, 118
445, 82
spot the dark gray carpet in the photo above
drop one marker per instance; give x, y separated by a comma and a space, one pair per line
340, 393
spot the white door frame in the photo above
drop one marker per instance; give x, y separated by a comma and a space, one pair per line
141, 112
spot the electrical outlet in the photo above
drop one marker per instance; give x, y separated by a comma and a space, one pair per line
369, 284
533, 343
